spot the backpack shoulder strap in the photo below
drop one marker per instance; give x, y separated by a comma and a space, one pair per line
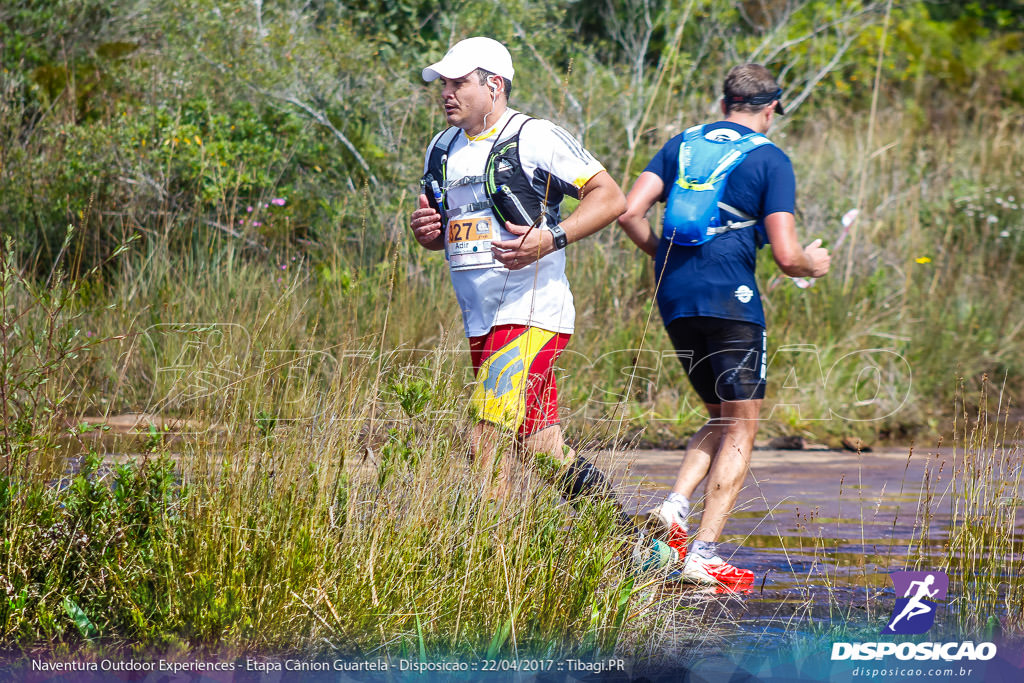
509, 133
744, 145
438, 153
515, 128
445, 140
693, 132
752, 141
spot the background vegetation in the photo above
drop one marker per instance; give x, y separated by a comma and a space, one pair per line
237, 176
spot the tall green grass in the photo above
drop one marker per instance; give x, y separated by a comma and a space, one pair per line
318, 494
303, 510
980, 489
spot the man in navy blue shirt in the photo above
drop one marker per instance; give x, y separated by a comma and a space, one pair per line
711, 308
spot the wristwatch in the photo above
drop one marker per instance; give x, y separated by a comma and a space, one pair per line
558, 235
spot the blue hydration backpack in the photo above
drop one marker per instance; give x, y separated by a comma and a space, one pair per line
692, 216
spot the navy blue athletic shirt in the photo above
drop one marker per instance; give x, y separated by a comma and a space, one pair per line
716, 279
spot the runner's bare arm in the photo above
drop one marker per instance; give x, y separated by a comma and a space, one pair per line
426, 226
645, 192
792, 259
601, 202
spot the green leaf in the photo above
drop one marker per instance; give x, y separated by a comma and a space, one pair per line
419, 637
625, 595
500, 637
81, 619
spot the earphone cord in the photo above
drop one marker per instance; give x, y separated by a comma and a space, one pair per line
494, 102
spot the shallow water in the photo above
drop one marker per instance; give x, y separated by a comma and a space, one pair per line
820, 528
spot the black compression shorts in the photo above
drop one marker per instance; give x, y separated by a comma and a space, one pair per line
724, 359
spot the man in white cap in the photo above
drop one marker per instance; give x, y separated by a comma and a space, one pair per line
493, 184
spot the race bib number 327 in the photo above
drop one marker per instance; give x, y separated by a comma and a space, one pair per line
469, 243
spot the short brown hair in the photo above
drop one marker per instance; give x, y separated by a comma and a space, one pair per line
749, 88
483, 75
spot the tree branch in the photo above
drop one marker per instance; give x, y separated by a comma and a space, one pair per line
322, 119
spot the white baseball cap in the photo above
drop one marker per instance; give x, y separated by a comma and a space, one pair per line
469, 55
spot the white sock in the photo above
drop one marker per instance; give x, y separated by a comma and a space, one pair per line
705, 549
681, 502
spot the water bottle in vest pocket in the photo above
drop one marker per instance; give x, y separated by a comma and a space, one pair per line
690, 213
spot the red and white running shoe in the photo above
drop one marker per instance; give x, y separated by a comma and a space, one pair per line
714, 571
670, 522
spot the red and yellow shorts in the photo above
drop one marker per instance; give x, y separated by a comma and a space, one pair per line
514, 368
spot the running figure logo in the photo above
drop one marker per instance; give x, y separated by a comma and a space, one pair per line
915, 611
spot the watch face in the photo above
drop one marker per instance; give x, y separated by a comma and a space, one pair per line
559, 237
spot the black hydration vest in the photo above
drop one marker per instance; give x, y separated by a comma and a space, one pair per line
509, 192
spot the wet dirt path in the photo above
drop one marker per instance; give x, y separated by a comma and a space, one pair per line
820, 528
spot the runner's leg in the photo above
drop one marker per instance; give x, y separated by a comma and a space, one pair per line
516, 388
575, 477
496, 360
700, 452
729, 466
484, 444
551, 441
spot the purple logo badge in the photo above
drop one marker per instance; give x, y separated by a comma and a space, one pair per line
915, 611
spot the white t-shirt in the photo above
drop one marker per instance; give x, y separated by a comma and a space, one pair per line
539, 294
